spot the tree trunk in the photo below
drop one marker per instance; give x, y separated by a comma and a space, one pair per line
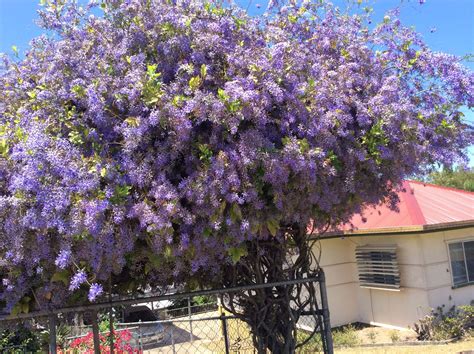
272, 313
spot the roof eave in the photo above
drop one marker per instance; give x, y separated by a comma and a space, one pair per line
395, 230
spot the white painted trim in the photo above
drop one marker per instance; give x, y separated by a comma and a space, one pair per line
380, 288
458, 240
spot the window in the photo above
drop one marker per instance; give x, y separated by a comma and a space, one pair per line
378, 267
461, 255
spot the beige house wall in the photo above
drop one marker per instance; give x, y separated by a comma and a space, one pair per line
425, 278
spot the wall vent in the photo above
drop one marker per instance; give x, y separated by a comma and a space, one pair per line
378, 267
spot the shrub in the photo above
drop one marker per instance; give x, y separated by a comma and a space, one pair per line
394, 336
345, 336
313, 345
85, 344
22, 336
372, 336
440, 325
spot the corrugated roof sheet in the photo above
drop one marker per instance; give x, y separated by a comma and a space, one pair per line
420, 204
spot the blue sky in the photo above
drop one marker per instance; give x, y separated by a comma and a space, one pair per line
452, 19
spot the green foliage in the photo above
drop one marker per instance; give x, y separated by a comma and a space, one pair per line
394, 336
22, 336
440, 325
345, 336
120, 194
205, 153
195, 301
372, 336
237, 252
374, 139
313, 345
62, 332
152, 88
459, 178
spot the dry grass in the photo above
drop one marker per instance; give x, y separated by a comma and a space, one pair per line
455, 347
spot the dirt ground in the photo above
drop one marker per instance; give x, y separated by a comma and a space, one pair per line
376, 335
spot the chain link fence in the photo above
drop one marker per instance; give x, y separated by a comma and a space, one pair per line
206, 332
172, 323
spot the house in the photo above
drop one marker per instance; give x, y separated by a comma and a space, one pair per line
393, 267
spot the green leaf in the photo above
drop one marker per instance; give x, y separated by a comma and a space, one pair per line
235, 212
237, 252
120, 194
406, 45
151, 71
61, 276
292, 18
205, 153
4, 147
178, 100
103, 172
133, 121
78, 90
234, 106
334, 160
195, 82
222, 95
203, 71
207, 232
75, 137
273, 225
239, 22
16, 309
168, 252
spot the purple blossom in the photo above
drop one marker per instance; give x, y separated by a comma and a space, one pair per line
63, 258
169, 144
77, 279
94, 291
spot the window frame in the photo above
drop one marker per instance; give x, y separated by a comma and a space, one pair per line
461, 241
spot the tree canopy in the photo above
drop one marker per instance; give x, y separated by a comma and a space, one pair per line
458, 177
151, 143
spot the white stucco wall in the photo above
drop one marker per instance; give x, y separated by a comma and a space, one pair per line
425, 279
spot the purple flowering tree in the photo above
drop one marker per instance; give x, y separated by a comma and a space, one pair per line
191, 143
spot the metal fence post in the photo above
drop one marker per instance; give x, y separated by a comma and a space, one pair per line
190, 320
226, 333
140, 343
111, 330
172, 339
52, 334
111, 319
95, 331
325, 308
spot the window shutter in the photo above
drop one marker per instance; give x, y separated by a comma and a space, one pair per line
378, 266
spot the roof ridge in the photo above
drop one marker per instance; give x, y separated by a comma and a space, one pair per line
414, 210
440, 187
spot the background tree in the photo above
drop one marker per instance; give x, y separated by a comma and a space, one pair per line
189, 143
459, 177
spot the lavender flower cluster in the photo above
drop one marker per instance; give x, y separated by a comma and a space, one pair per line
150, 143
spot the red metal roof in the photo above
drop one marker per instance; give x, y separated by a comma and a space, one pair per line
420, 204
